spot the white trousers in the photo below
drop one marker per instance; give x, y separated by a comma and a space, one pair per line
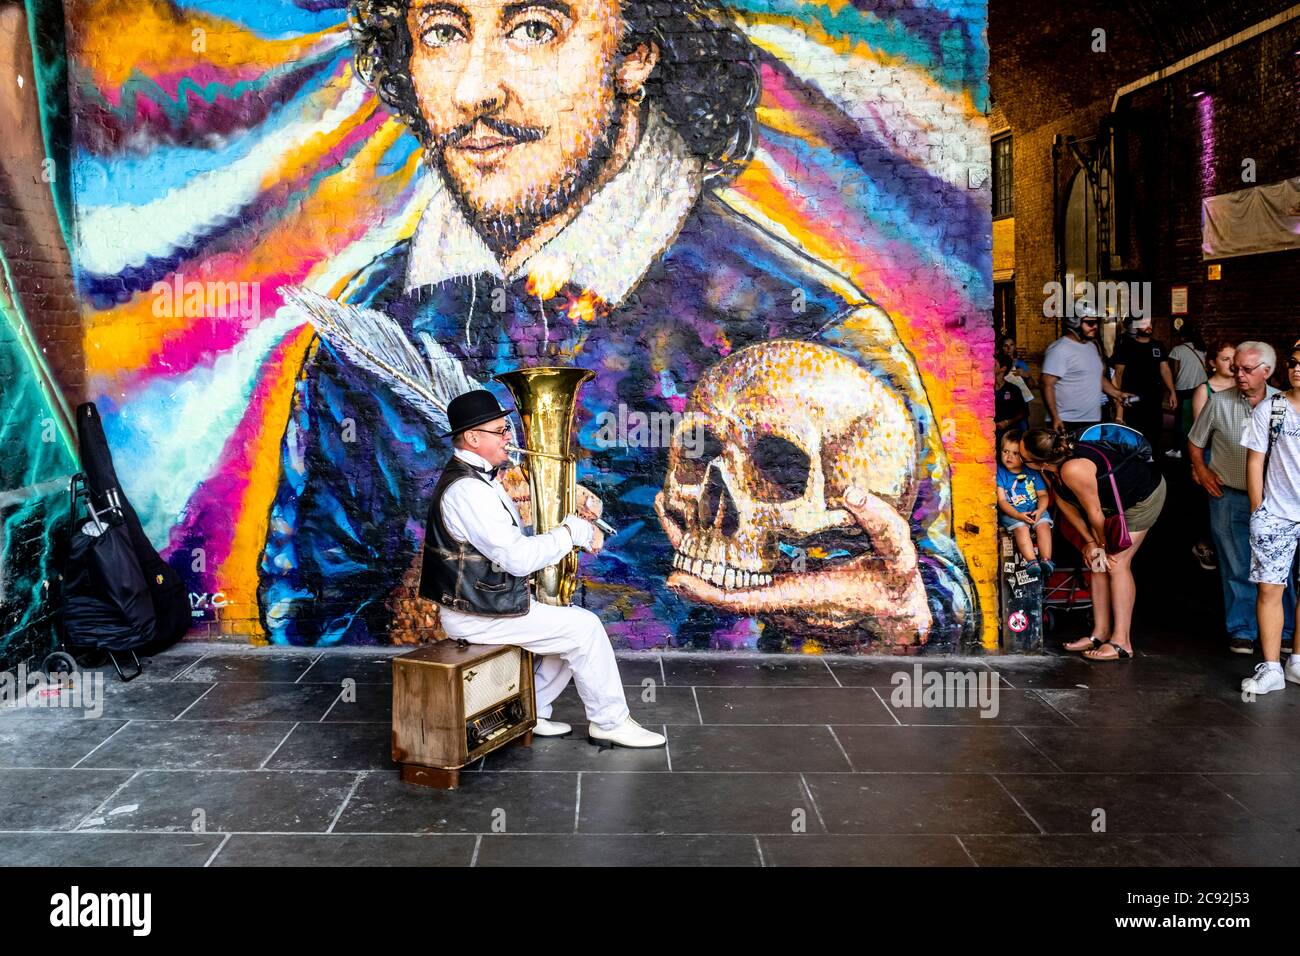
569, 642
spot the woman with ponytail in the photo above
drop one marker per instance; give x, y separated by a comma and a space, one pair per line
1080, 474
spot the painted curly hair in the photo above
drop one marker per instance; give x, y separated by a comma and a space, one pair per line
706, 82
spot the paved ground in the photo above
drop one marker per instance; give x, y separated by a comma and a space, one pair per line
228, 756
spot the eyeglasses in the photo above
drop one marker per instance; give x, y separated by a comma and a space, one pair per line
499, 432
1088, 321
1292, 364
1244, 369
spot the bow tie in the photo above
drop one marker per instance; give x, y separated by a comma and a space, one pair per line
490, 473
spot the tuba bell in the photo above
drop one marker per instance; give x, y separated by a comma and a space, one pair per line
545, 398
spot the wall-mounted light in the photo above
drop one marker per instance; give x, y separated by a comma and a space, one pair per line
1198, 94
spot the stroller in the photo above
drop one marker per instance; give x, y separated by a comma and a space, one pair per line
114, 594
1067, 590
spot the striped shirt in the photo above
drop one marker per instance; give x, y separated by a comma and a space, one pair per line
1220, 425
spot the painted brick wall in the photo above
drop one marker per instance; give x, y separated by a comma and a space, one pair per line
40, 334
29, 231
233, 154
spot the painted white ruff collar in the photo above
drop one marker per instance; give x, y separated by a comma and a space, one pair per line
606, 248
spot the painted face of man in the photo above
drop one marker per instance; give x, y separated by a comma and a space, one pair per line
520, 102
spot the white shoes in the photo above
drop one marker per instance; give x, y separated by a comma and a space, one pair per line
627, 734
551, 728
1293, 669
1265, 680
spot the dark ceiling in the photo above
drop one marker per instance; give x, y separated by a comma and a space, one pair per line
1040, 51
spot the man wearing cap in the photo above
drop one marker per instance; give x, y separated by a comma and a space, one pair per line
477, 559
1142, 369
1074, 375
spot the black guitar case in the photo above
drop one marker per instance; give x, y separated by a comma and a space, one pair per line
122, 577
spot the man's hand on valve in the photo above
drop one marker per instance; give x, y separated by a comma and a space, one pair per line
587, 507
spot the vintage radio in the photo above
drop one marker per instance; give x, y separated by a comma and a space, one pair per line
453, 702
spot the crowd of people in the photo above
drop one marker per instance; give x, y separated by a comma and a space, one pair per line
1239, 435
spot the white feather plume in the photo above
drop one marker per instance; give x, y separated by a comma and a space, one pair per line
449, 377
376, 342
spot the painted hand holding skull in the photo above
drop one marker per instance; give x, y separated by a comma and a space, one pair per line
793, 501
589, 506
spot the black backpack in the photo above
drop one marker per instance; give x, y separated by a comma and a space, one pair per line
117, 593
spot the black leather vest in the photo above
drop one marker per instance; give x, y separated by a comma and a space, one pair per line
457, 575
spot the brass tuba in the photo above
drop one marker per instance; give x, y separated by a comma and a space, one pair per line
545, 398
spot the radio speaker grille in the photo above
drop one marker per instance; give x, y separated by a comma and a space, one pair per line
489, 683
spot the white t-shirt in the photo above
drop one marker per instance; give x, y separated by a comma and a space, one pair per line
1191, 367
1282, 476
1078, 366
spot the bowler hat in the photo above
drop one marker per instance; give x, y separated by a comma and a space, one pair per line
473, 408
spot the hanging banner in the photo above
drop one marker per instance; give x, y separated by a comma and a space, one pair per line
1249, 221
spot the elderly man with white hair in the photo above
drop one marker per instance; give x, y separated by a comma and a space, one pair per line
1219, 428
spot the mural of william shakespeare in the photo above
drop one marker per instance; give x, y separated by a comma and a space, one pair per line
574, 147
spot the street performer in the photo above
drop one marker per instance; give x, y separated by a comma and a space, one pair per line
478, 554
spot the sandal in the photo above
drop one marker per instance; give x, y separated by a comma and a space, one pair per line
1083, 644
1119, 655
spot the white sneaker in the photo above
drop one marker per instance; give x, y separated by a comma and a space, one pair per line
1265, 680
1293, 669
627, 734
551, 728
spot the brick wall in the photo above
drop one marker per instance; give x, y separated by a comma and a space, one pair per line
29, 228
1034, 242
1055, 86
40, 332
1254, 103
870, 182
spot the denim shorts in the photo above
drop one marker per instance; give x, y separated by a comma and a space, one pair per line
1009, 522
1273, 542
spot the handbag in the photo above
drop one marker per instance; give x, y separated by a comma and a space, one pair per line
1115, 527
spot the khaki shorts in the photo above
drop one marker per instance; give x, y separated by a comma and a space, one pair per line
1143, 515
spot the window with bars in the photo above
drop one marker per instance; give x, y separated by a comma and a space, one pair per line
1003, 204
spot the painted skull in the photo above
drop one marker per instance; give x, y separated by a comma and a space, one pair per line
773, 437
